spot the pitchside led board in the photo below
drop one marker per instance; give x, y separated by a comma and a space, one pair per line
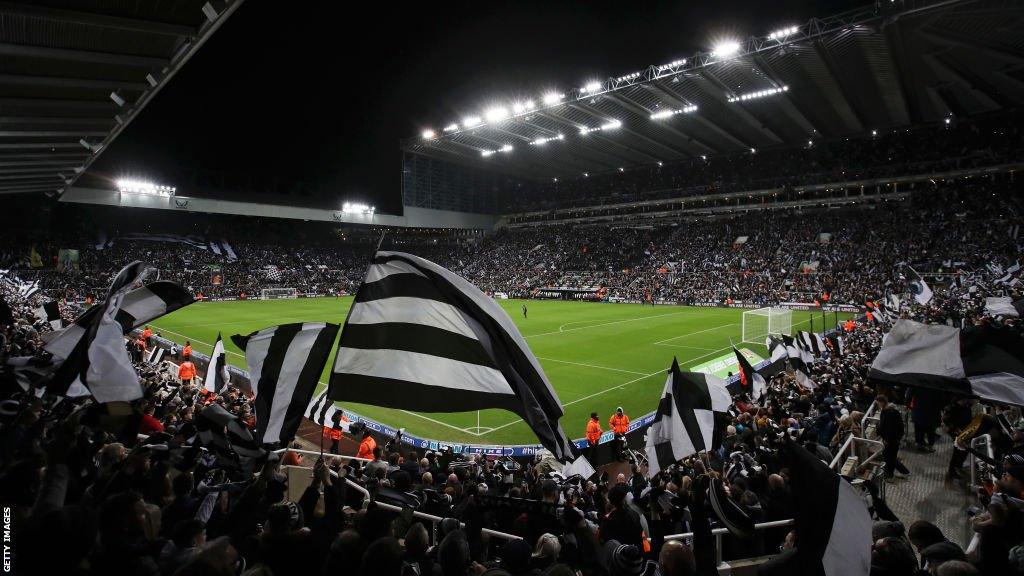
216, 275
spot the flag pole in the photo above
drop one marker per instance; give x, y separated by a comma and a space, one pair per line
381, 241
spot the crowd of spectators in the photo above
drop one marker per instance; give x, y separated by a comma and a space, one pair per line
956, 145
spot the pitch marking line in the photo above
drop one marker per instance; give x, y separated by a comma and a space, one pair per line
662, 342
560, 331
588, 365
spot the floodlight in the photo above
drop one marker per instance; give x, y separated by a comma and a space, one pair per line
753, 150
506, 148
118, 99
496, 114
621, 169
129, 186
486, 153
725, 49
471, 121
592, 87
428, 134
586, 174
946, 121
357, 208
518, 108
529, 105
451, 127
662, 114
552, 98
612, 125
874, 132
783, 33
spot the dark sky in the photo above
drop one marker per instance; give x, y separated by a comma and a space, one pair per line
324, 95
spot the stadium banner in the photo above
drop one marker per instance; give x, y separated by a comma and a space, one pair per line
725, 364
216, 274
67, 259
813, 306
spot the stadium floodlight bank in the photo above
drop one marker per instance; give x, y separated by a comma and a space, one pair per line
758, 324
279, 294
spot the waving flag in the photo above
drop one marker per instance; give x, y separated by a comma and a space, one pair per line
419, 337
217, 370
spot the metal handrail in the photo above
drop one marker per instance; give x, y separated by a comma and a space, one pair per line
719, 532
986, 440
434, 520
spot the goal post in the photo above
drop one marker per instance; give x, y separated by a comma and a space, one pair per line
759, 323
278, 293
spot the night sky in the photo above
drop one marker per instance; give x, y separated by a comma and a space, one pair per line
324, 96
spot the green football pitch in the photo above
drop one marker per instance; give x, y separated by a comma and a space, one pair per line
597, 356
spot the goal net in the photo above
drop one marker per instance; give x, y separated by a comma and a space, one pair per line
278, 293
758, 324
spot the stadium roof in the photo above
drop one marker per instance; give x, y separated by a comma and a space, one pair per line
893, 64
73, 74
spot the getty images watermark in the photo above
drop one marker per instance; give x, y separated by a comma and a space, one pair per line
8, 540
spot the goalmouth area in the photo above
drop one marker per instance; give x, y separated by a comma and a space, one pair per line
598, 356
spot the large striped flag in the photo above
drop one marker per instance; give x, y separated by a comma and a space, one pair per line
217, 369
419, 337
285, 363
91, 351
686, 418
833, 525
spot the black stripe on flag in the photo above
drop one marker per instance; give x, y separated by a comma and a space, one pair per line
416, 338
285, 363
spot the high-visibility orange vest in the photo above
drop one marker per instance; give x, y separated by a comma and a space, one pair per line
593, 431
366, 448
187, 371
332, 433
147, 333
187, 351
619, 424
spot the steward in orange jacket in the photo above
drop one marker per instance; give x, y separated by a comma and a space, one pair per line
619, 422
593, 429
366, 446
186, 371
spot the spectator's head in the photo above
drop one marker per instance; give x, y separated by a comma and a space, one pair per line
515, 556
618, 411
453, 554
182, 484
622, 559
123, 518
593, 415
617, 496
923, 534
892, 556
549, 491
383, 556
284, 517
676, 559
882, 400
189, 533
547, 547
957, 568
417, 541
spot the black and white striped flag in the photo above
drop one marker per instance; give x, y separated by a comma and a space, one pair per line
982, 361
224, 434
322, 409
797, 364
91, 351
217, 369
285, 363
686, 418
751, 382
810, 344
833, 525
419, 337
777, 356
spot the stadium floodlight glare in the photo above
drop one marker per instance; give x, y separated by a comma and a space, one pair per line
471, 121
518, 108
506, 148
758, 94
542, 141
672, 64
529, 105
128, 186
725, 49
783, 33
612, 125
357, 208
496, 114
451, 127
553, 98
662, 114
591, 87
486, 153
429, 134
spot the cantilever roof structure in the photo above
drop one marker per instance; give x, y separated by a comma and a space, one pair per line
895, 63
73, 74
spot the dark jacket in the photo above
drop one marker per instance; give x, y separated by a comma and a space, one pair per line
890, 425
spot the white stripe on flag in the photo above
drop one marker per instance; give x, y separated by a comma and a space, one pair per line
413, 311
420, 368
255, 353
849, 544
294, 361
379, 271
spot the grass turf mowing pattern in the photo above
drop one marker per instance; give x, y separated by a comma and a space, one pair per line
597, 356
